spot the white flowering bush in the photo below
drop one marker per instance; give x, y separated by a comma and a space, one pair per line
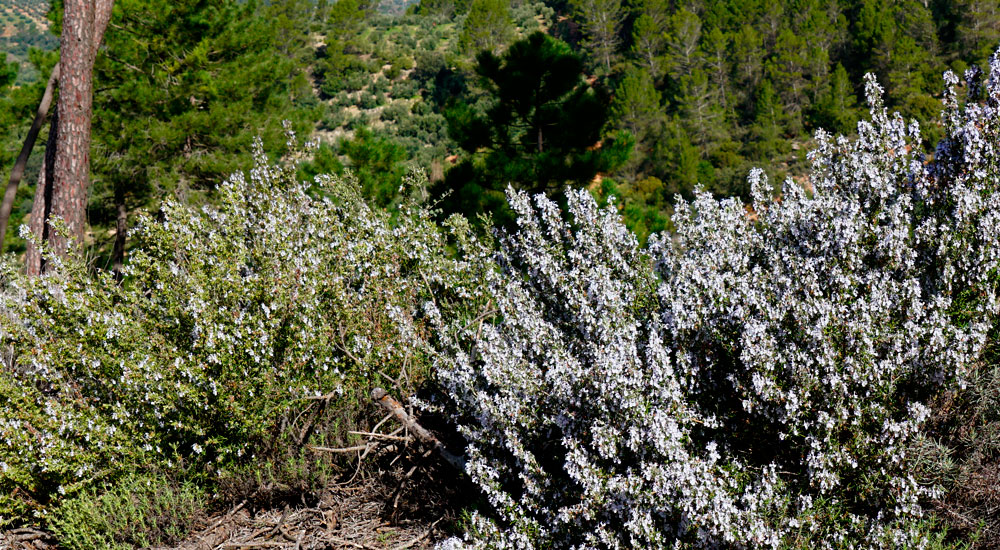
228, 319
750, 381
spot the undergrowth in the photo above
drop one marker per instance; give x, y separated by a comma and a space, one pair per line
137, 511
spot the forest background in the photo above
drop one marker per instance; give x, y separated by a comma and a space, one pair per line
702, 91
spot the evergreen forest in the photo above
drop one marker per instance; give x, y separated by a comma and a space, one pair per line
500, 274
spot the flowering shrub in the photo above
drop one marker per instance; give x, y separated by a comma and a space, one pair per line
228, 318
740, 383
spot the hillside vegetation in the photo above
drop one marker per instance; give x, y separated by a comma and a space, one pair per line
721, 274
24, 25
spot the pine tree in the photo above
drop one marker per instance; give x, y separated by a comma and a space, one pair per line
978, 28
19, 104
542, 131
835, 107
649, 36
600, 20
488, 26
683, 37
716, 49
701, 106
787, 72
748, 57
637, 108
176, 116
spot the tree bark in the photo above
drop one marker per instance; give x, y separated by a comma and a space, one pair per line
121, 231
71, 173
42, 207
84, 22
22, 159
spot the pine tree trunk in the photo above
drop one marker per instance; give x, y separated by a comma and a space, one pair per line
121, 232
42, 206
71, 173
84, 22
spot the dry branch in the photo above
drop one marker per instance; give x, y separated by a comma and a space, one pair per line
341, 449
352, 544
390, 404
382, 436
210, 535
418, 538
255, 545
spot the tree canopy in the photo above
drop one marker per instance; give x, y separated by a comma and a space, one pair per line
541, 127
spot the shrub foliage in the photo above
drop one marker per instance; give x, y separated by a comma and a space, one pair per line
758, 378
229, 320
750, 381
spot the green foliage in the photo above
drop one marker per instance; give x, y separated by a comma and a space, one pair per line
636, 107
8, 73
835, 108
18, 105
137, 511
542, 129
377, 164
718, 66
642, 205
177, 108
487, 27
600, 20
324, 161
24, 27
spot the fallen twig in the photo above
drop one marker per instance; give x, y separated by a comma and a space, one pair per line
265, 544
351, 543
324, 397
380, 422
382, 436
225, 518
26, 534
281, 521
417, 539
340, 449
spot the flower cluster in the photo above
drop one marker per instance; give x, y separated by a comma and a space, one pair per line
750, 381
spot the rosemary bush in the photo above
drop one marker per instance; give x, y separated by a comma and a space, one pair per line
229, 319
750, 381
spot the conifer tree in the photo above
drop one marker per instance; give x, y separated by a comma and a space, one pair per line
637, 107
649, 44
176, 116
542, 131
716, 49
15, 105
488, 26
649, 36
835, 108
978, 28
601, 20
683, 36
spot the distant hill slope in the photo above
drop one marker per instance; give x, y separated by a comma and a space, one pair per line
23, 26
17, 16
395, 7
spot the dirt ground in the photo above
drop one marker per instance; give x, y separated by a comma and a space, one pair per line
408, 502
367, 515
